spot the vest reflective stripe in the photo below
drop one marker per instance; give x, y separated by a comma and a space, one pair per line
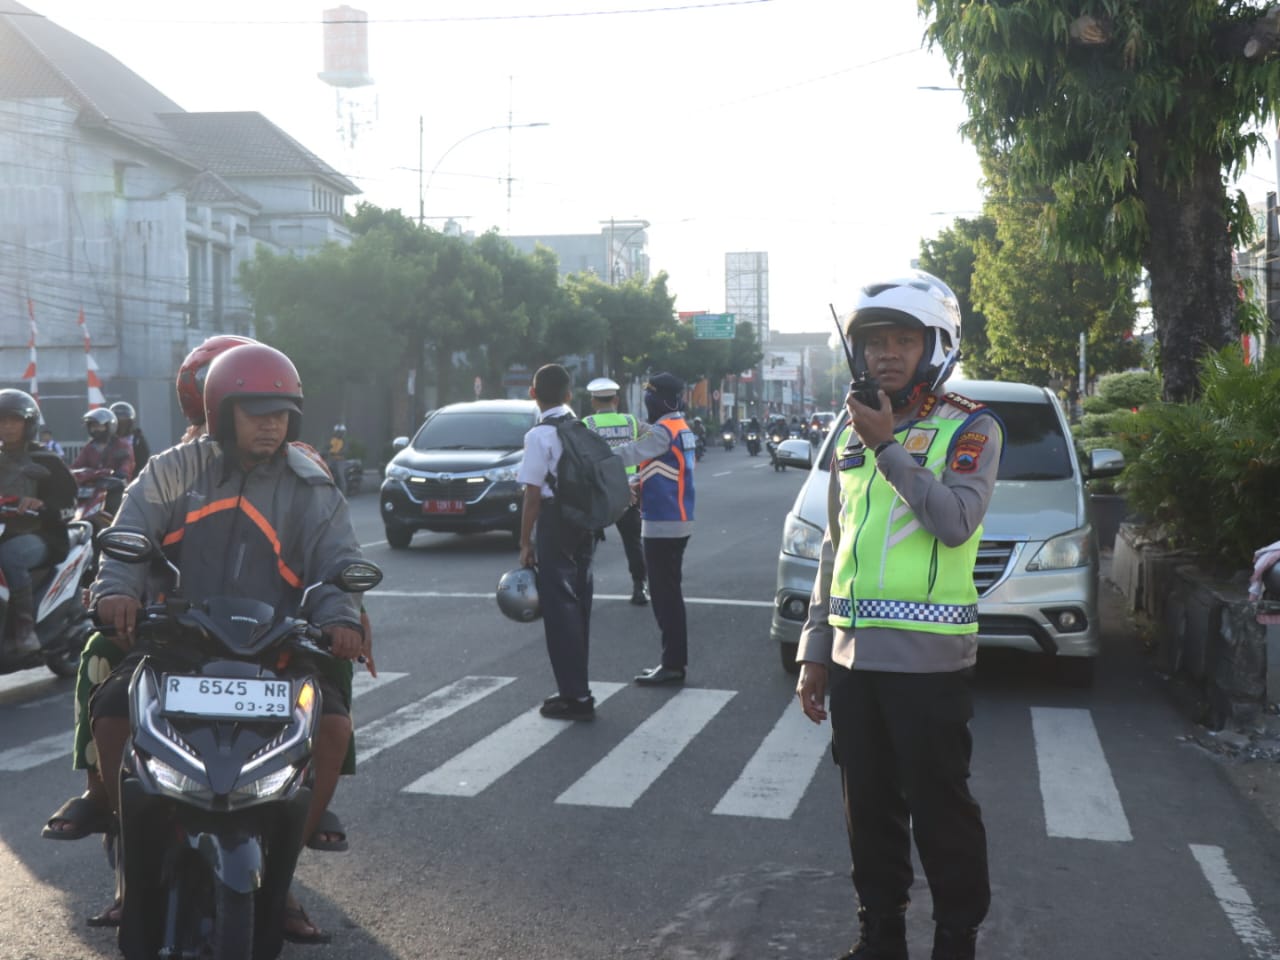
890, 571
667, 480
616, 428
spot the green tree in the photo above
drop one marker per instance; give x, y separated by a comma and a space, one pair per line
634, 312
1131, 112
950, 257
1037, 304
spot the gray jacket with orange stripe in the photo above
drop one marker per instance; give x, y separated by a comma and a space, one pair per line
266, 533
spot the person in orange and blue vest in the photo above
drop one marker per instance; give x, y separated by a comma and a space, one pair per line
665, 456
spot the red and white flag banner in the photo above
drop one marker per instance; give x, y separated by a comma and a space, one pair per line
96, 397
30, 373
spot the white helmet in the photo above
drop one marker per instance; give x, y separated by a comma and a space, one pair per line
518, 595
922, 301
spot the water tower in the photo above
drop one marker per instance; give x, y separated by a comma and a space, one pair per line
346, 69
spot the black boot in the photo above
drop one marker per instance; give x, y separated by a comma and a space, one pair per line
880, 937
955, 943
638, 596
25, 640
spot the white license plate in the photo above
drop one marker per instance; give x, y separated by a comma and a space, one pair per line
227, 697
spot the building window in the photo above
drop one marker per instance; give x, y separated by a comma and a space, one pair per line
194, 260
117, 178
221, 273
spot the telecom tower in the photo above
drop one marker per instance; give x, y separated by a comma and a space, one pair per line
346, 69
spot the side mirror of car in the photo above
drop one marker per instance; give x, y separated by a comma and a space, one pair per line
1105, 462
399, 443
795, 453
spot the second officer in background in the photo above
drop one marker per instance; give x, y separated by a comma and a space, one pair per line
617, 429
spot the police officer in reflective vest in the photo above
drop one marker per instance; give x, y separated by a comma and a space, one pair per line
617, 429
893, 619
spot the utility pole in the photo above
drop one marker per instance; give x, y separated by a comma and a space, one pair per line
422, 210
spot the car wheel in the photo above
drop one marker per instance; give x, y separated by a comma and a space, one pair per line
1077, 672
399, 537
788, 652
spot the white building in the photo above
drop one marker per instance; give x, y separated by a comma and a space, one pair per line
117, 203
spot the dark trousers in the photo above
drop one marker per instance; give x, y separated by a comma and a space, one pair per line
565, 588
664, 556
903, 744
628, 527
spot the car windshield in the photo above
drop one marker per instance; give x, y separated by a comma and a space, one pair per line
1035, 447
474, 430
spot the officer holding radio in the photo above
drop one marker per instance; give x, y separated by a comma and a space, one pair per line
892, 623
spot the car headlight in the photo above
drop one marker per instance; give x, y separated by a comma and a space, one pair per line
396, 472
1063, 552
801, 539
501, 475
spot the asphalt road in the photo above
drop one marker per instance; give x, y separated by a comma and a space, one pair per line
684, 824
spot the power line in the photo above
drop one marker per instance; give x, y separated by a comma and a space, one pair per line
474, 18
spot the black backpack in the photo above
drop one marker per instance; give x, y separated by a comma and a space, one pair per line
590, 483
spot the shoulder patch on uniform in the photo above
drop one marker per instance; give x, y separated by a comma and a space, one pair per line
967, 452
964, 403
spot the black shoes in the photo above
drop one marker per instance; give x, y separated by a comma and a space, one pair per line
566, 708
955, 943
880, 937
638, 597
660, 675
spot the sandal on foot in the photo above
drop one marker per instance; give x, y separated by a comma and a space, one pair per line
295, 917
330, 834
110, 917
85, 815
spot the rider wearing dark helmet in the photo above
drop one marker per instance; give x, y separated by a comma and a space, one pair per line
105, 449
37, 483
128, 430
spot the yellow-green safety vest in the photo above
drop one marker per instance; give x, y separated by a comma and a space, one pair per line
616, 428
889, 570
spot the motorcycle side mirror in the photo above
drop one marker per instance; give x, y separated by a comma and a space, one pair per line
352, 576
126, 545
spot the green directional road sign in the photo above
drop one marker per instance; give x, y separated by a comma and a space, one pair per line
713, 326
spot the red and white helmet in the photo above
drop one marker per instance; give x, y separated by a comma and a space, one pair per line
191, 373
919, 300
261, 379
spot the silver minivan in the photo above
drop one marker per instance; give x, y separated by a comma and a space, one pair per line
1037, 569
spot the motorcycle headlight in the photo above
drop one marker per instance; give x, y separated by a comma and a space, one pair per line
1063, 552
265, 786
801, 539
501, 475
396, 472
172, 780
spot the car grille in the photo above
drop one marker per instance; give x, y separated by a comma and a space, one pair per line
456, 489
993, 560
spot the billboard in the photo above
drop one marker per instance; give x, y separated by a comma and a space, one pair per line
346, 47
781, 365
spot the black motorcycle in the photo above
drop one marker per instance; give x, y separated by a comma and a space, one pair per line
753, 442
213, 790
777, 433
726, 438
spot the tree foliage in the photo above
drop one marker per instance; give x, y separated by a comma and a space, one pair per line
950, 256
1132, 113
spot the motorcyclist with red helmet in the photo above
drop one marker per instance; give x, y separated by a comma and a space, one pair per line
242, 513
105, 449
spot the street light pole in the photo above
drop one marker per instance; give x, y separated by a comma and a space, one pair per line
474, 133
615, 248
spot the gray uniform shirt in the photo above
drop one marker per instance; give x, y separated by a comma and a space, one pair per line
951, 507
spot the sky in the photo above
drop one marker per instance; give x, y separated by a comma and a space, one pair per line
803, 128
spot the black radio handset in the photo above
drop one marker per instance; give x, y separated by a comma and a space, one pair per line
865, 388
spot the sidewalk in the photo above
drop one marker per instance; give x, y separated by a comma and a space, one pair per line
1250, 760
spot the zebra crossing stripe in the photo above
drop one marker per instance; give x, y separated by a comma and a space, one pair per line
36, 752
477, 767
779, 772
413, 718
24, 678
1236, 902
365, 682
1079, 795
630, 768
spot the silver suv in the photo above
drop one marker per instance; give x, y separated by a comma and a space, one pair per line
1037, 569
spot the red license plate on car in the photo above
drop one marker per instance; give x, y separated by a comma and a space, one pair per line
444, 506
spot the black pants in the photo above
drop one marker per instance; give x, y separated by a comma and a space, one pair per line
565, 589
903, 744
628, 527
664, 557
